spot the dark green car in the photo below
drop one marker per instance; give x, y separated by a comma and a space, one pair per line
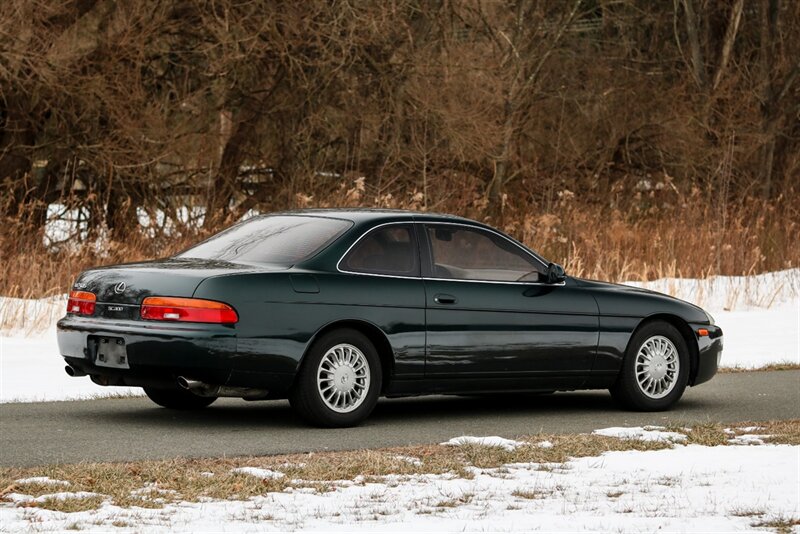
334, 308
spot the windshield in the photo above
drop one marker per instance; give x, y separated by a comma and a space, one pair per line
278, 239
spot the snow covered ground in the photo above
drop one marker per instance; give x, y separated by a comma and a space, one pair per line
688, 488
759, 314
32, 370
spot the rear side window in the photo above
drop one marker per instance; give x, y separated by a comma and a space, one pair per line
390, 250
276, 239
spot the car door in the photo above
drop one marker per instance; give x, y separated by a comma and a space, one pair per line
386, 289
489, 313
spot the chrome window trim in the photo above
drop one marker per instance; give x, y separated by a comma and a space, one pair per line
528, 252
495, 282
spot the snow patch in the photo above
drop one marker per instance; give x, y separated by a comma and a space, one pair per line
408, 459
729, 293
749, 439
22, 358
28, 317
759, 314
647, 433
42, 480
293, 465
258, 472
151, 488
487, 441
695, 488
61, 496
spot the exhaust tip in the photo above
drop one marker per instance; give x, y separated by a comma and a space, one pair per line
71, 371
183, 383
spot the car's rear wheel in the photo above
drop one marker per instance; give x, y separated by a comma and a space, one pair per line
177, 399
655, 369
339, 380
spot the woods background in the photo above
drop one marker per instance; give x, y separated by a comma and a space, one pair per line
624, 138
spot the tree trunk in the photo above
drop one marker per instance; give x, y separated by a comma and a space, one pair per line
223, 186
768, 30
497, 185
693, 35
15, 163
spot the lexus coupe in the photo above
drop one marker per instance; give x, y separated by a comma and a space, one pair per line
334, 308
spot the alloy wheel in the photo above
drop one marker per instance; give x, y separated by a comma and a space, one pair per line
343, 378
657, 367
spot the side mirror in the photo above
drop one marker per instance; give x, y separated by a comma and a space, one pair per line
555, 274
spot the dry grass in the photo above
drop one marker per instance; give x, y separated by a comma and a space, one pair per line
629, 236
69, 505
530, 494
713, 434
708, 434
781, 525
464, 498
748, 512
564, 448
152, 484
785, 432
786, 366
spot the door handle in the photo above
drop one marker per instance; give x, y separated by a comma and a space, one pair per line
444, 299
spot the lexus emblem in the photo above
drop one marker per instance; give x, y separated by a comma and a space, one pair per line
119, 288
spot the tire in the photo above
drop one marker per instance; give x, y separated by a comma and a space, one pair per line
629, 393
178, 399
341, 367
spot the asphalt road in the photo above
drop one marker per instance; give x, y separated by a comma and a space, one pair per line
134, 428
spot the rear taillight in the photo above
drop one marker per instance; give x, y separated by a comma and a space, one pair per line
81, 303
187, 310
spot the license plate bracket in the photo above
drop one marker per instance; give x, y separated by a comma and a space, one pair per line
108, 352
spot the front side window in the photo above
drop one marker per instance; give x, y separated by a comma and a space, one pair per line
275, 239
390, 250
463, 253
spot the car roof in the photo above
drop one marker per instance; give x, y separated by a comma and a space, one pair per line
367, 218
376, 215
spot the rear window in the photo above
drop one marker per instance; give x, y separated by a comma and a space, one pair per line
279, 239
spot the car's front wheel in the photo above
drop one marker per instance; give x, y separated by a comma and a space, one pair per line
655, 370
339, 380
178, 399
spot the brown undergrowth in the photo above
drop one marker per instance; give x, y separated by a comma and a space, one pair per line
630, 236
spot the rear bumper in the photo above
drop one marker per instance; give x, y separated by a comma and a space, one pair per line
709, 353
158, 353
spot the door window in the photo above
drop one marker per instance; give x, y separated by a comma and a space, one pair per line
464, 253
390, 250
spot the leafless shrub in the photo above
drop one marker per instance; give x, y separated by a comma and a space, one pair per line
626, 139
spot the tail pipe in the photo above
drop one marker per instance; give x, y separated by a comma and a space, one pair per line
201, 389
71, 371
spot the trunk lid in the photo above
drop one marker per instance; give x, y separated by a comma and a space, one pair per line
128, 284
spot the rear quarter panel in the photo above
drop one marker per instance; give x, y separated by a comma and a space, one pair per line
280, 314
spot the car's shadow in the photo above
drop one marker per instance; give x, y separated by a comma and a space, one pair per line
235, 414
